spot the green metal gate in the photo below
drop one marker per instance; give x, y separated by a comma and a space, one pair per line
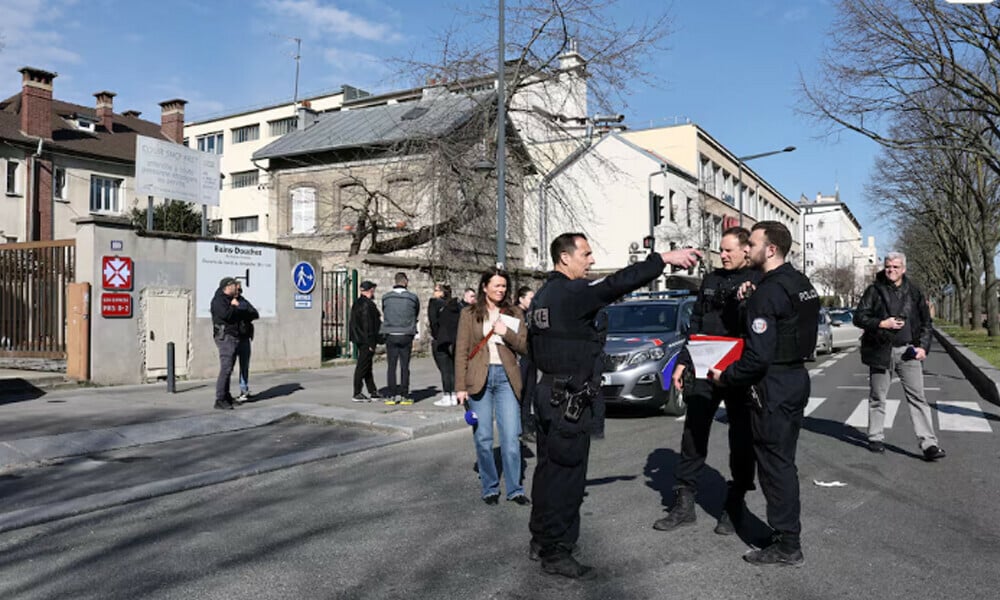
340, 288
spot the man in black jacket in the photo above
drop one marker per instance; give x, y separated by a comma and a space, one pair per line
364, 325
226, 318
897, 323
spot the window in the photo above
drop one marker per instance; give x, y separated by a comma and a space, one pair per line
244, 179
59, 184
12, 186
809, 227
243, 224
283, 126
211, 143
105, 193
247, 133
809, 245
303, 210
688, 211
215, 227
673, 209
11, 239
809, 263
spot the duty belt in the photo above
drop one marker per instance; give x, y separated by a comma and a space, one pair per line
571, 402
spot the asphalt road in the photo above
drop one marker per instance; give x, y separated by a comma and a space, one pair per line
405, 520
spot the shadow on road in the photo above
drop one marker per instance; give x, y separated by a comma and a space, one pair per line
15, 389
275, 391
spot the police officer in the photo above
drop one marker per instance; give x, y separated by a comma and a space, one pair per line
565, 347
782, 319
718, 312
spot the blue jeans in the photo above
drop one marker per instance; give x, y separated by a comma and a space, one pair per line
243, 354
497, 398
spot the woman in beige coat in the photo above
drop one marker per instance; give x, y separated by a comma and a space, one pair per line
487, 375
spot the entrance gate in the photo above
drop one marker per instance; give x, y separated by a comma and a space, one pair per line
340, 288
33, 278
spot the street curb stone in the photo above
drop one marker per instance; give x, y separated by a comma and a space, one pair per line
982, 375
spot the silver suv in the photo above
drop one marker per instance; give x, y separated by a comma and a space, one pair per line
644, 333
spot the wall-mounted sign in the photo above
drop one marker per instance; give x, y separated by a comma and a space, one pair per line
303, 277
116, 272
117, 245
252, 266
168, 170
116, 305
303, 300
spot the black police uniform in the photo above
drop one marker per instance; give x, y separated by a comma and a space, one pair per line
781, 319
717, 312
566, 345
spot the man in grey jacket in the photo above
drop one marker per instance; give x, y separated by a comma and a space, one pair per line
400, 308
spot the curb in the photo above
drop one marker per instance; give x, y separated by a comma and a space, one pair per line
982, 375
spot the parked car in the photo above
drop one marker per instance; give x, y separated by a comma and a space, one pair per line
824, 334
644, 334
845, 333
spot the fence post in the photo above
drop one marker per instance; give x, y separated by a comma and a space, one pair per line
171, 381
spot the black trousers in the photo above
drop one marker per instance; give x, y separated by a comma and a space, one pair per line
444, 358
560, 476
703, 399
363, 370
784, 395
227, 359
397, 351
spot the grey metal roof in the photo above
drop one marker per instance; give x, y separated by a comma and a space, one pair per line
380, 125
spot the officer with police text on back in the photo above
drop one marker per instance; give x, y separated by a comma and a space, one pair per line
782, 316
565, 346
718, 311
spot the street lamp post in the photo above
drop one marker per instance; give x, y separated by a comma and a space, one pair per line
501, 154
739, 164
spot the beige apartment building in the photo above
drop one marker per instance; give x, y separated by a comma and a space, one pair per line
722, 189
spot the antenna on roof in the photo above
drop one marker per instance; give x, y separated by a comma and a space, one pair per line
297, 57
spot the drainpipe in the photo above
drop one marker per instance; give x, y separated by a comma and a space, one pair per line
31, 198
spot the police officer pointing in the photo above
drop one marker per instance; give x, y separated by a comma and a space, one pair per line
718, 312
565, 346
782, 318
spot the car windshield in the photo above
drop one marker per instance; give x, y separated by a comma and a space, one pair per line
842, 317
642, 318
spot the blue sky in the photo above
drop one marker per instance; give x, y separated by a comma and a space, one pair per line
731, 66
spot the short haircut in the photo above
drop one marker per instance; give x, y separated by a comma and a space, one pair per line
401, 280
445, 290
523, 291
565, 242
776, 233
896, 256
742, 234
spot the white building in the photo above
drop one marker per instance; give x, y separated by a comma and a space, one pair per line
832, 241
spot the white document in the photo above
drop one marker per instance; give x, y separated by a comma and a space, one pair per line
512, 323
706, 355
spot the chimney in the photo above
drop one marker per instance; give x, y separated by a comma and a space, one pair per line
307, 116
132, 114
36, 102
172, 119
105, 109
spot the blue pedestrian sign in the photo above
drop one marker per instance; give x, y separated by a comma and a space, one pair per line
303, 277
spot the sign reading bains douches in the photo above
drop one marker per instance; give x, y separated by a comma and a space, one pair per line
252, 266
171, 171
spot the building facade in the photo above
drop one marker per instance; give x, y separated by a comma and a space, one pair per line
833, 255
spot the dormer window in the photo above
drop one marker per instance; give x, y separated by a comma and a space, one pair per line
83, 122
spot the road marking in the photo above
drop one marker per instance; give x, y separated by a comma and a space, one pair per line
813, 404
962, 416
932, 389
859, 418
853, 387
828, 363
815, 372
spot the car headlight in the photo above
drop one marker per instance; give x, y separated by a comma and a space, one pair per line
645, 355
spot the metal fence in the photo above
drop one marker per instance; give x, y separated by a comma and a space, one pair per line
33, 278
339, 291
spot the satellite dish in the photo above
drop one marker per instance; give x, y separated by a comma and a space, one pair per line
633, 247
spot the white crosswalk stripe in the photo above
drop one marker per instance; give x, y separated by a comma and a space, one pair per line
828, 363
813, 404
962, 416
859, 418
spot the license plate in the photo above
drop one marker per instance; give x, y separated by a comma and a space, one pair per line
605, 379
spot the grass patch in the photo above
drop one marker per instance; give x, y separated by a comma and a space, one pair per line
975, 340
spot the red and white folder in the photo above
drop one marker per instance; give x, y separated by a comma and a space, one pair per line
713, 352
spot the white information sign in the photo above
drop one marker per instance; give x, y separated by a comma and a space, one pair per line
167, 170
253, 266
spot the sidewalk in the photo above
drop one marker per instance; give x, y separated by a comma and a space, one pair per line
39, 425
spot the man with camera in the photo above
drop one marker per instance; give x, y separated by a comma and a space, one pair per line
718, 312
897, 323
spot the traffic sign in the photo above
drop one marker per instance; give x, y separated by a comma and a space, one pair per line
116, 272
303, 277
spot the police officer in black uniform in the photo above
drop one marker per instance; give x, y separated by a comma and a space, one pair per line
718, 311
782, 316
565, 347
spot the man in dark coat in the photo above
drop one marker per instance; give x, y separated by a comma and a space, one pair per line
226, 318
897, 323
364, 325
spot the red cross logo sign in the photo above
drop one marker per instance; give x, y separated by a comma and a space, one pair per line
116, 273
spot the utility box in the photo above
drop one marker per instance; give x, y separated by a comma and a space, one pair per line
166, 321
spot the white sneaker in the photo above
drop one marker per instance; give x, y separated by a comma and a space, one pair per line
454, 399
444, 400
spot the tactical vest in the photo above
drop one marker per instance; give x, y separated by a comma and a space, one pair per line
560, 344
797, 332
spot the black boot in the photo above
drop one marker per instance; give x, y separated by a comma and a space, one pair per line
732, 512
681, 514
